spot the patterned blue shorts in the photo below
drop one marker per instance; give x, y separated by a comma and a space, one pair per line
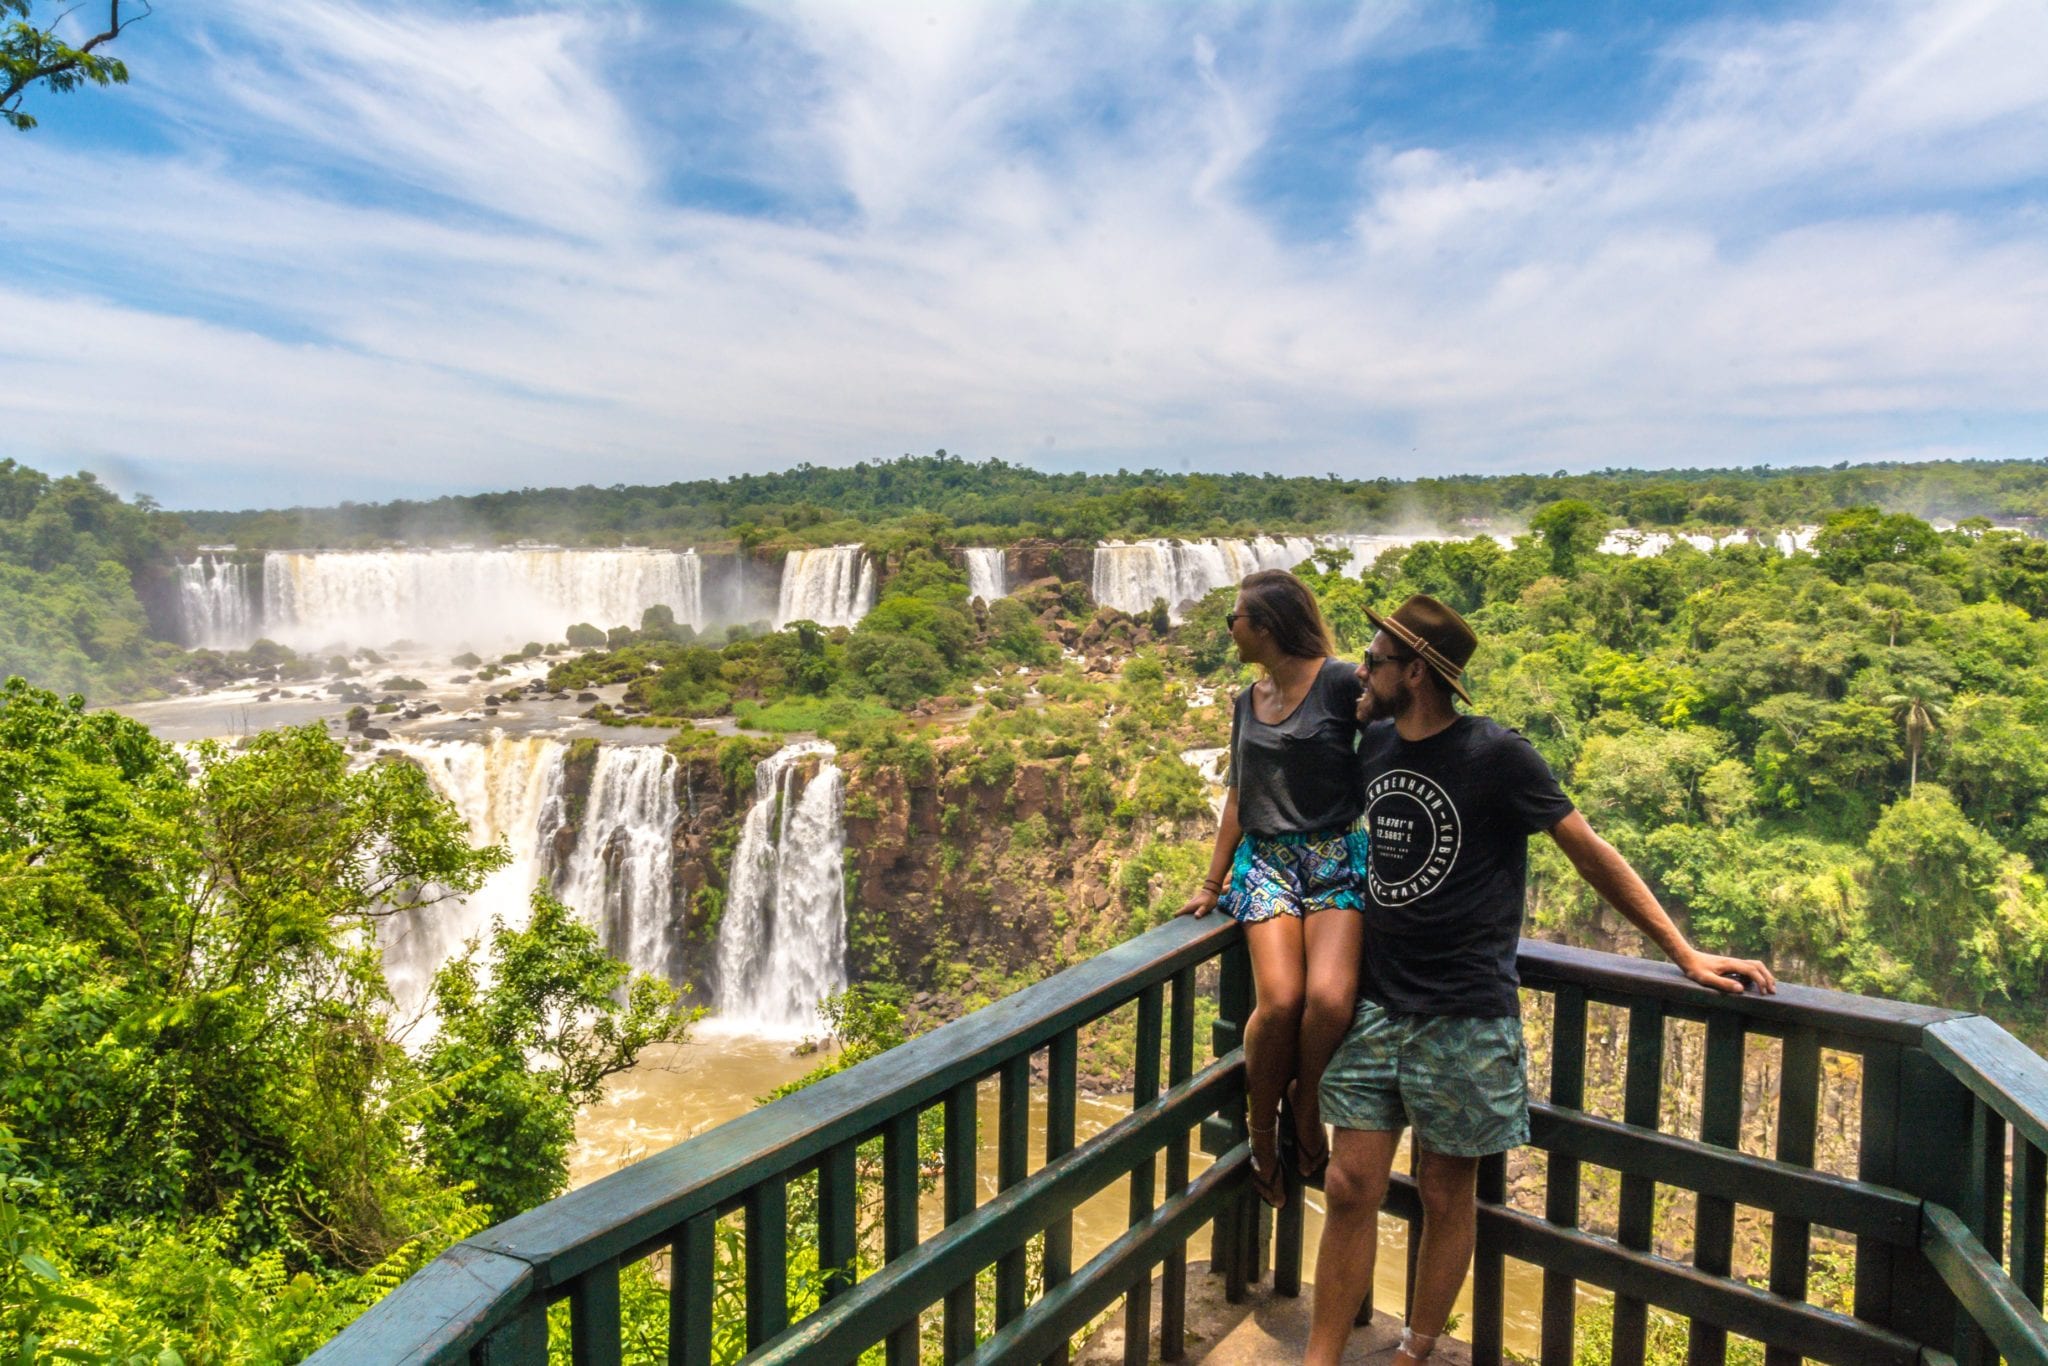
1295, 875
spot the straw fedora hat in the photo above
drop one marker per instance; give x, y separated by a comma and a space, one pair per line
1435, 633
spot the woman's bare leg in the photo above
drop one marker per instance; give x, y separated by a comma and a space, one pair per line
1332, 938
1271, 1033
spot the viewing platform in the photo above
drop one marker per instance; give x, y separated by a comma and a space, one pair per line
1943, 1218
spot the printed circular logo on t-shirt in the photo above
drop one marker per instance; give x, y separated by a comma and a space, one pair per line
1413, 835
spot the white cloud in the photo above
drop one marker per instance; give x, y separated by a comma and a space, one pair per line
403, 248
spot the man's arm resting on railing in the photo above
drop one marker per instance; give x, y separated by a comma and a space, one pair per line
1621, 887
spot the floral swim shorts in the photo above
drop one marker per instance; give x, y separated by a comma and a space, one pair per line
1295, 875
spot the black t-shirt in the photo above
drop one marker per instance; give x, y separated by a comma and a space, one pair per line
1448, 821
1301, 776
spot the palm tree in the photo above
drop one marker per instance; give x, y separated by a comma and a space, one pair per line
1919, 714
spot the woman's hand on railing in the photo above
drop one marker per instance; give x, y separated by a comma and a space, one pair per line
1200, 904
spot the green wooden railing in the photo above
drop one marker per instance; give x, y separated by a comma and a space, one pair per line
1949, 1232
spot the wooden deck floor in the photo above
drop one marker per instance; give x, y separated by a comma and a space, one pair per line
1266, 1328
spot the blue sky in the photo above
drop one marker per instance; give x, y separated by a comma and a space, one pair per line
334, 250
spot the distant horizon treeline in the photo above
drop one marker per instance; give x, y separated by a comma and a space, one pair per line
88, 583
993, 501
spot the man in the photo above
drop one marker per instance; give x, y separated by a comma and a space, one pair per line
1436, 1042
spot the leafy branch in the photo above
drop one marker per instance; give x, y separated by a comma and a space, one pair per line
31, 56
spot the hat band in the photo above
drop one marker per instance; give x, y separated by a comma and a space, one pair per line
1430, 654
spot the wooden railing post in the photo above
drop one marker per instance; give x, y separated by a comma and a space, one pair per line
1916, 1138
1561, 1178
1642, 1096
1489, 1269
521, 1341
1061, 1089
1713, 1248
1233, 1242
1983, 1209
1798, 1123
1180, 1065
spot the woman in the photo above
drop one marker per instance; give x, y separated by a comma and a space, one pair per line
1287, 854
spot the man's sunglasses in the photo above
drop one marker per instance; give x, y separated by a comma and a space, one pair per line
1373, 661
1230, 619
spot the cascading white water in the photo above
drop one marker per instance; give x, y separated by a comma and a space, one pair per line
1648, 544
506, 787
833, 586
619, 877
988, 578
1130, 577
483, 599
217, 605
782, 941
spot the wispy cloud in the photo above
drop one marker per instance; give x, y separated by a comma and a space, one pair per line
376, 250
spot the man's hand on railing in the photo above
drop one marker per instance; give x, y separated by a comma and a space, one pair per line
1732, 975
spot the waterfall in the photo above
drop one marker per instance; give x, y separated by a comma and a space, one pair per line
833, 586
216, 609
1130, 577
619, 877
484, 599
507, 788
988, 578
1648, 544
782, 941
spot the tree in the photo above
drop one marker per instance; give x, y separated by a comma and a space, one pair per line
1969, 916
1570, 528
1920, 715
519, 1053
33, 55
1851, 540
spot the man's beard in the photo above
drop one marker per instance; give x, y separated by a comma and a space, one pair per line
1371, 707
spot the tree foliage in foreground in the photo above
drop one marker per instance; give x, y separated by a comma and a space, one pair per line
209, 1140
33, 54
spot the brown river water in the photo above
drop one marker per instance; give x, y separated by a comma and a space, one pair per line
680, 1091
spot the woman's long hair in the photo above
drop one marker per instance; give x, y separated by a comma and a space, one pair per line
1283, 604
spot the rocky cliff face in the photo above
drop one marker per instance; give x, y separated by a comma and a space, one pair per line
967, 880
1068, 561
708, 827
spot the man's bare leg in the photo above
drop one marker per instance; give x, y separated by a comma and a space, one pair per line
1450, 1222
1354, 1187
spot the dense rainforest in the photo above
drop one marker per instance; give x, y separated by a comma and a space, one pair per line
213, 1140
992, 502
